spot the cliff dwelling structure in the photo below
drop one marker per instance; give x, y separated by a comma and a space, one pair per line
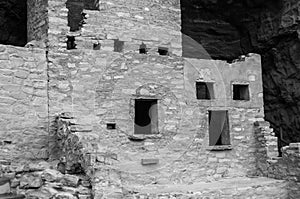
130, 99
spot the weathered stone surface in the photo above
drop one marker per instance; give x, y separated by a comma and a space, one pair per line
51, 175
70, 180
38, 194
31, 180
4, 185
64, 196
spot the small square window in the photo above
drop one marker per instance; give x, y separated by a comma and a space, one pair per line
96, 46
204, 90
111, 126
241, 92
143, 49
218, 128
118, 45
163, 51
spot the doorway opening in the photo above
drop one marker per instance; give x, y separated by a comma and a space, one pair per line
146, 116
218, 128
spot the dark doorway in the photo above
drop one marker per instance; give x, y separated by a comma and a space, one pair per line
218, 128
146, 116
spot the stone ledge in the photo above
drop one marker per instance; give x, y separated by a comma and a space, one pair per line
219, 148
140, 138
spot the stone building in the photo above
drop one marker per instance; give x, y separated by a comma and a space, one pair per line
142, 120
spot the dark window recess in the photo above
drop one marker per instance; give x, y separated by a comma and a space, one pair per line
97, 46
91, 4
146, 116
204, 90
143, 49
163, 50
71, 43
118, 45
111, 126
218, 128
75, 15
241, 92
13, 22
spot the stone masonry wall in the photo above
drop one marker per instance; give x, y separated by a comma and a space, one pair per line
37, 20
133, 22
23, 103
182, 144
272, 166
41, 180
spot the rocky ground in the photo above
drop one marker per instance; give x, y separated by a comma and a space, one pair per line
42, 180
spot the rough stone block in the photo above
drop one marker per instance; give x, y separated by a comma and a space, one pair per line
65, 196
4, 185
70, 180
31, 180
295, 145
51, 175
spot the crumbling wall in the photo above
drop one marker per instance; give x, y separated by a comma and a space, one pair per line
270, 165
23, 103
65, 145
40, 179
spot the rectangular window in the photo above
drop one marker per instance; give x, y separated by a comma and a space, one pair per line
218, 128
163, 51
118, 45
241, 92
146, 116
111, 126
204, 90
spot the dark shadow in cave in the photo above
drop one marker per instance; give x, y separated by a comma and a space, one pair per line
13, 22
